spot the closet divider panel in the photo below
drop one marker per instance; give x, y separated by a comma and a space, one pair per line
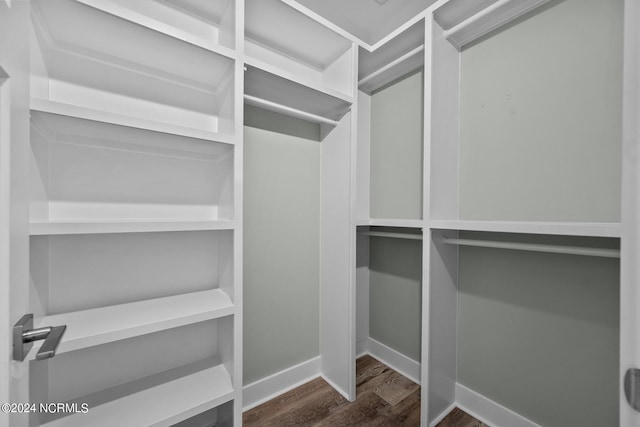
14, 198
337, 287
630, 245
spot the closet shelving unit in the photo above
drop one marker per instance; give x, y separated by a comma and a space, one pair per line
400, 56
285, 75
435, 45
135, 212
449, 27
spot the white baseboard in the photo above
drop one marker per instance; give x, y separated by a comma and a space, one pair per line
488, 411
395, 360
274, 385
362, 348
442, 415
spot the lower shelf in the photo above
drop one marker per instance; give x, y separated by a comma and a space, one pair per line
102, 325
159, 400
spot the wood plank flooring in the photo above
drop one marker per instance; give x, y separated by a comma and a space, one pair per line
384, 398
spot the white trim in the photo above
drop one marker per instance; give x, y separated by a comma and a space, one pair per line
442, 415
488, 411
274, 385
362, 348
395, 360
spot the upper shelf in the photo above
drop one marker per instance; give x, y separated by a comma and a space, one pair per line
273, 92
82, 126
396, 58
89, 172
208, 24
296, 45
464, 21
124, 122
106, 59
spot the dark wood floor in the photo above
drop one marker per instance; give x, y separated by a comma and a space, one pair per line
384, 398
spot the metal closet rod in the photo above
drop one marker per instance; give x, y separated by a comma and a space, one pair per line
392, 235
290, 111
556, 249
392, 64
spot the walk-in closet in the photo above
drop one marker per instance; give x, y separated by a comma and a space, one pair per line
316, 212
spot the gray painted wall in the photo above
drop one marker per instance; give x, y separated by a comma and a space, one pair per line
541, 117
539, 333
396, 192
281, 248
396, 150
395, 285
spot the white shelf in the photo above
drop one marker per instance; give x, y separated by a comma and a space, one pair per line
94, 167
279, 90
79, 112
302, 46
386, 222
137, 70
48, 228
300, 79
396, 58
465, 21
195, 22
159, 405
558, 228
97, 326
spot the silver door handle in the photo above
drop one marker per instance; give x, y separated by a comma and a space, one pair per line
24, 335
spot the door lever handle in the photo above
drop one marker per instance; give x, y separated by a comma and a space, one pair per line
24, 335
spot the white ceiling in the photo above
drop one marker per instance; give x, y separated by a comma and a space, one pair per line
367, 19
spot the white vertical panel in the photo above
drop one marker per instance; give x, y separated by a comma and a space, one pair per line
439, 293
630, 245
443, 313
363, 154
14, 208
442, 130
362, 293
337, 305
238, 209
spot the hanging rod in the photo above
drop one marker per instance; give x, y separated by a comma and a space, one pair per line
521, 8
392, 235
392, 64
571, 250
290, 111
